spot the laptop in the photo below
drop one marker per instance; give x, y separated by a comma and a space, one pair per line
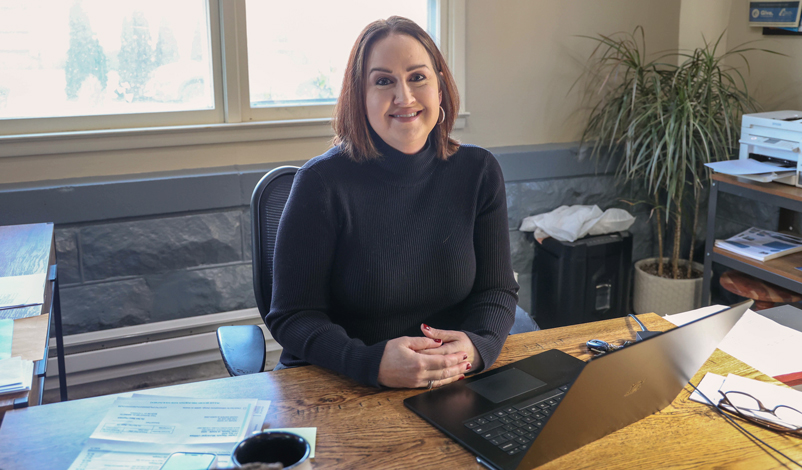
532, 411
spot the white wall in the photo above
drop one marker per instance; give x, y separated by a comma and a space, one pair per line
522, 58
704, 21
775, 81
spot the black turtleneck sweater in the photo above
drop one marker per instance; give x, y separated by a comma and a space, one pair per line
366, 252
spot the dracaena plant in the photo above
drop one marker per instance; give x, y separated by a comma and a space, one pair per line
665, 118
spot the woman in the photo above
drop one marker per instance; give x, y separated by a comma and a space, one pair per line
392, 262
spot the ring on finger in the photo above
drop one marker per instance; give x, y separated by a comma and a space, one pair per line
431, 382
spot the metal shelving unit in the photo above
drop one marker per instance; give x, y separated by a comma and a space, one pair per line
781, 271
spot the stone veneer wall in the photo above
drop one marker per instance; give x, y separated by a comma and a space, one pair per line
174, 257
154, 269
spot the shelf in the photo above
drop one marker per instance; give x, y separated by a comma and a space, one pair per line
778, 194
780, 271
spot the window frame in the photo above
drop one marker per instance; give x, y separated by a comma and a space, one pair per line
232, 120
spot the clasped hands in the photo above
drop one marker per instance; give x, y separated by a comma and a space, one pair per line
442, 356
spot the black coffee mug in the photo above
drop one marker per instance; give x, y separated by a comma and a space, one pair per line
291, 450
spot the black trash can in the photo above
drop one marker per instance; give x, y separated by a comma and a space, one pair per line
582, 281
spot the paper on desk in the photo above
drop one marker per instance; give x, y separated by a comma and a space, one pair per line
16, 375
769, 394
758, 341
684, 318
98, 458
168, 420
6, 336
257, 421
22, 291
101, 454
709, 386
310, 434
767, 346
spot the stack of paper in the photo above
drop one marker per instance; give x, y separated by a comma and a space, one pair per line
16, 375
753, 170
143, 430
6, 337
768, 394
22, 291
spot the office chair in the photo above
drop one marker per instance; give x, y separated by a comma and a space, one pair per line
243, 346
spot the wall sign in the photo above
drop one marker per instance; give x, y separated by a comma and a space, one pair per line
776, 14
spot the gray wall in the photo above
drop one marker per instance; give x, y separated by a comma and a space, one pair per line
169, 246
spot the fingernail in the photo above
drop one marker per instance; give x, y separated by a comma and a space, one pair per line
462, 377
438, 341
468, 367
426, 327
464, 357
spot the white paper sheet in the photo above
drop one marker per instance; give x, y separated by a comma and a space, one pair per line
168, 420
22, 291
107, 454
97, 458
683, 318
764, 344
257, 421
16, 375
6, 337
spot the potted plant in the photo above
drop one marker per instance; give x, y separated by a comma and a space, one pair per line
665, 118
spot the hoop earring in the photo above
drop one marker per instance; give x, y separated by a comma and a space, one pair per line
444, 116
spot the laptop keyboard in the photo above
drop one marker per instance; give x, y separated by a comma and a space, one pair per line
513, 428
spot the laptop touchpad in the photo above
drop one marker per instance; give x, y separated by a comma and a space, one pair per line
505, 385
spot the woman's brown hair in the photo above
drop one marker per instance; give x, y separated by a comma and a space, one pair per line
350, 124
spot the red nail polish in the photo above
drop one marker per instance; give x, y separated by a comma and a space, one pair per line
460, 378
438, 341
464, 357
468, 367
426, 327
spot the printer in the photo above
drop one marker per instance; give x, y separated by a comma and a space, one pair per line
774, 137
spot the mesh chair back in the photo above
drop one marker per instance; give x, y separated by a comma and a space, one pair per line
267, 205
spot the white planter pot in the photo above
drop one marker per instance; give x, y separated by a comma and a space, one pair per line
665, 296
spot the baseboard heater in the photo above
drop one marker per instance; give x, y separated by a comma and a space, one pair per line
122, 352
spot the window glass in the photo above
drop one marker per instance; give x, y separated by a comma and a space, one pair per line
297, 51
93, 57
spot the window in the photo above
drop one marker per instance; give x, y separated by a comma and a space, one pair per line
86, 65
302, 62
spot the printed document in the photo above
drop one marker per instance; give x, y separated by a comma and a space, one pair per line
162, 420
143, 430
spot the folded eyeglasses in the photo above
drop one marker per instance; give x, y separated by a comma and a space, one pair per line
782, 418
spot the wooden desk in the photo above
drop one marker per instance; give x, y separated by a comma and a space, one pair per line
362, 427
31, 250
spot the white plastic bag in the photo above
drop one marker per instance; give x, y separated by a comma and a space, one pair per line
569, 223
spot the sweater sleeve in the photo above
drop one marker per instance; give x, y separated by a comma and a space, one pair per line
298, 317
490, 308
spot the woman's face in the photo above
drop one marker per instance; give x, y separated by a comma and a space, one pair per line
402, 94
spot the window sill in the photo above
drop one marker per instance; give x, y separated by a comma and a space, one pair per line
171, 136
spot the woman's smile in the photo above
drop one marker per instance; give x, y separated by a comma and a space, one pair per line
402, 93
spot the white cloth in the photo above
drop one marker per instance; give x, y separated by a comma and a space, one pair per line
569, 223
